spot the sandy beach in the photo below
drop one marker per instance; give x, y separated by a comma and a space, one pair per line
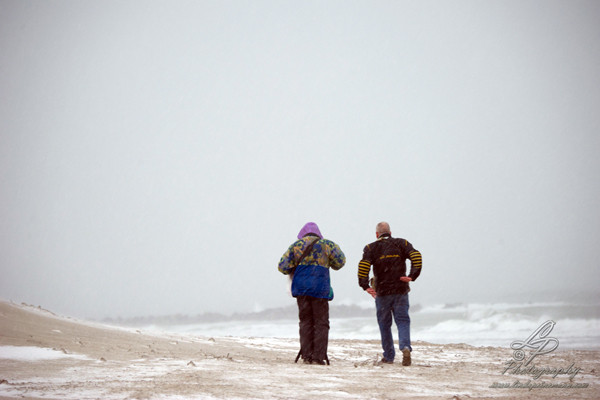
46, 356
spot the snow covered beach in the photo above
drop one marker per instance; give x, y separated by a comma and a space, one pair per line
45, 356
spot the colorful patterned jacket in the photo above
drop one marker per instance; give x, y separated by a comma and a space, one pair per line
311, 277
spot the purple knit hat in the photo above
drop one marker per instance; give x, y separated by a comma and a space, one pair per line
310, 227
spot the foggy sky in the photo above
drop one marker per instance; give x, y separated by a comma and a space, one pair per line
159, 157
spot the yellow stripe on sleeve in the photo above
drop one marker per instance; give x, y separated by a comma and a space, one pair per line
364, 267
416, 259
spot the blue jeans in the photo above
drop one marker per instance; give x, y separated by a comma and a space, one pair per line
396, 306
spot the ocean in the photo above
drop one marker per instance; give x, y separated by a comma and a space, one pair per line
576, 326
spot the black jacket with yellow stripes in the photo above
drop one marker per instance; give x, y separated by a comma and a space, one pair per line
388, 256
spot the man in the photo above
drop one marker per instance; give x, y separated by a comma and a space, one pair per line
388, 256
308, 261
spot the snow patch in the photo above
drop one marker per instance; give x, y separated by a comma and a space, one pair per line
30, 353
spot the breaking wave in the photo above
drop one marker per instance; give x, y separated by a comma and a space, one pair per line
577, 325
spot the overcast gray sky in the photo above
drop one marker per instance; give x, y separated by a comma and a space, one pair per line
159, 157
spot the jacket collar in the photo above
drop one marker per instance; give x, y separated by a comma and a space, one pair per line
312, 234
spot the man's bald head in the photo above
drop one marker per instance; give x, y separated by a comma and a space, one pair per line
381, 228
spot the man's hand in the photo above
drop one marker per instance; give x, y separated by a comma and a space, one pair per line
372, 292
405, 278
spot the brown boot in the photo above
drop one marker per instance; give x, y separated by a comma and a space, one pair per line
406, 357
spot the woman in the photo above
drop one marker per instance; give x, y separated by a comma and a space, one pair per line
308, 260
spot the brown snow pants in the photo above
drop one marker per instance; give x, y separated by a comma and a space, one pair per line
314, 327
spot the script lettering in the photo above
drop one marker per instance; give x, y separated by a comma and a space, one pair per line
538, 341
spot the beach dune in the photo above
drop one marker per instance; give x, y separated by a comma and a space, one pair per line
46, 356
